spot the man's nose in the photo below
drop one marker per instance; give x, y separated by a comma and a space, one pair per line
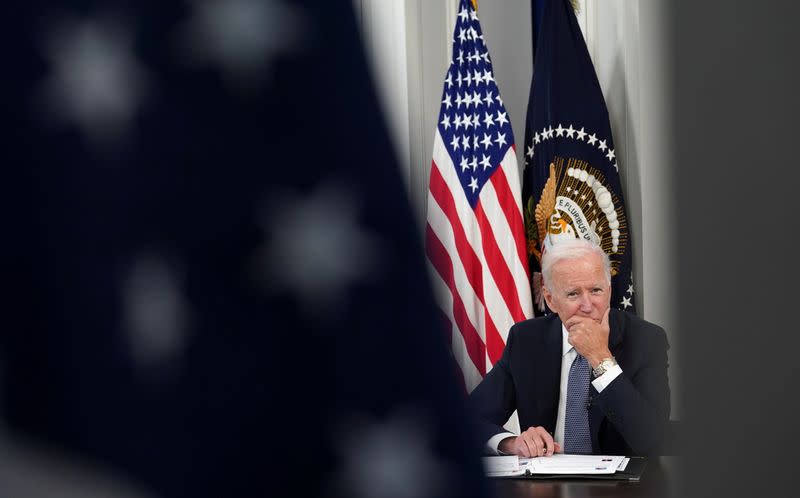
586, 303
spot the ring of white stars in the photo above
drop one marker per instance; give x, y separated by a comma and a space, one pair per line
570, 132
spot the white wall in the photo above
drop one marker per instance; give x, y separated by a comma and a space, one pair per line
626, 40
410, 41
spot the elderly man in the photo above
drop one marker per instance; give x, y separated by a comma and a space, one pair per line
585, 379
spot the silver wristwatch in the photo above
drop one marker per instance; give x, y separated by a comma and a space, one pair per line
603, 366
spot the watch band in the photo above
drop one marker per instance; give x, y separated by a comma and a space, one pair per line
603, 366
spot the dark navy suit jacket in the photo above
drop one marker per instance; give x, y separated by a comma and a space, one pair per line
627, 418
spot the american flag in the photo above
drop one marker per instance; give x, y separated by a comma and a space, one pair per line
475, 239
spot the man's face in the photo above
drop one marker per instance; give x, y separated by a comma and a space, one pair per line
579, 288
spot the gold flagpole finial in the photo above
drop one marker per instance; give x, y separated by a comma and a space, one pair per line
475, 5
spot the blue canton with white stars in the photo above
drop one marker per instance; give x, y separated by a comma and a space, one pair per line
473, 121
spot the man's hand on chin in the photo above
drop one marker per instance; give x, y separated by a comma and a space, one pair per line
589, 337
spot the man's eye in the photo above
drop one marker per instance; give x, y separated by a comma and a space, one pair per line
572, 294
597, 290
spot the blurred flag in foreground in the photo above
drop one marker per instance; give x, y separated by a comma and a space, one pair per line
475, 239
208, 289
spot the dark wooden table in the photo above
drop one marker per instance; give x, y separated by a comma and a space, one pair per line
658, 481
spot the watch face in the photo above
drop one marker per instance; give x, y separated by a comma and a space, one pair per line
602, 367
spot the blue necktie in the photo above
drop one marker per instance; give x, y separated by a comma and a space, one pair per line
576, 420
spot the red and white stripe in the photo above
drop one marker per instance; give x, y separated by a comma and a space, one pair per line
478, 260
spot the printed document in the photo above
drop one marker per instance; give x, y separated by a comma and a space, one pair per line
510, 466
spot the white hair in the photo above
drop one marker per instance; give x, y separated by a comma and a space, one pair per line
568, 249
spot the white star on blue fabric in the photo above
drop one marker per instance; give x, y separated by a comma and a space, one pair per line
95, 82
315, 247
501, 118
241, 37
155, 314
388, 459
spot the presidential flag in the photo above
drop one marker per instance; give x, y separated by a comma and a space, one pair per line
571, 186
475, 240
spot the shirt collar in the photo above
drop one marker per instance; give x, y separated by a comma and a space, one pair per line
565, 345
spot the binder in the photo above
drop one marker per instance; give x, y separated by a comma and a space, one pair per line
632, 473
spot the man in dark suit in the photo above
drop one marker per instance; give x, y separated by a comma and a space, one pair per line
585, 379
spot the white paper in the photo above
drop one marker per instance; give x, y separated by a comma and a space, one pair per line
559, 463
573, 464
504, 466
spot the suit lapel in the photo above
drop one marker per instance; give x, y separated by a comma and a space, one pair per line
548, 374
616, 333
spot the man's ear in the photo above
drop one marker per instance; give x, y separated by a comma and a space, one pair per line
548, 297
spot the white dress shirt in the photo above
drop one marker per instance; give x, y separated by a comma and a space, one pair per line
568, 355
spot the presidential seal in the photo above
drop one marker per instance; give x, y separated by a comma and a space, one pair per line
575, 203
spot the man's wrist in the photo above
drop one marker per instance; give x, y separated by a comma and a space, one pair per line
506, 446
493, 444
603, 366
595, 359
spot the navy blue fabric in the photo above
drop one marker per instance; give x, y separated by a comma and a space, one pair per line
537, 10
576, 416
264, 385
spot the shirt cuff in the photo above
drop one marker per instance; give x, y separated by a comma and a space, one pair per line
604, 380
494, 442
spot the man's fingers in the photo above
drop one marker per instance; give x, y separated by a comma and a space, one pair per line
538, 441
528, 449
604, 321
576, 319
534, 443
548, 445
551, 445
521, 447
540, 450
